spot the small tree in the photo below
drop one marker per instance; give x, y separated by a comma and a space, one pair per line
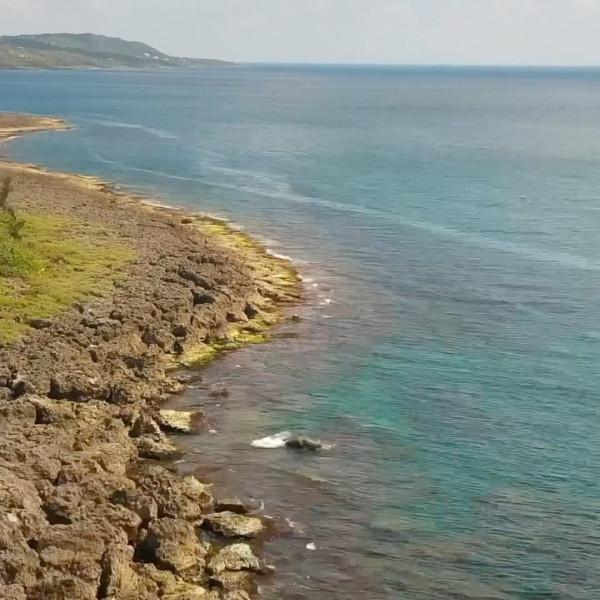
4, 192
14, 225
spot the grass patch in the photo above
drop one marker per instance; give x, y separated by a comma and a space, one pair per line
255, 331
227, 235
15, 257
197, 357
277, 271
56, 262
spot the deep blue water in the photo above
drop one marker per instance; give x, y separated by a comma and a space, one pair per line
446, 222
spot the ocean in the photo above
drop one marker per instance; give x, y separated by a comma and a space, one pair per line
445, 222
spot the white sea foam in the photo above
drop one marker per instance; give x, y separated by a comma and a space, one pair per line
152, 172
564, 259
271, 187
268, 186
278, 255
158, 133
266, 181
270, 442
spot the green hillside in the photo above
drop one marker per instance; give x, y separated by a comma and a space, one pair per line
66, 50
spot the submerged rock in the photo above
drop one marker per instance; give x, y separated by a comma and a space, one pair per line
218, 391
299, 442
278, 440
287, 439
230, 524
231, 505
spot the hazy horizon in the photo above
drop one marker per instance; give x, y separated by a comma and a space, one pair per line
379, 32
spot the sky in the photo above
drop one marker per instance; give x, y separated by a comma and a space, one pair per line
524, 32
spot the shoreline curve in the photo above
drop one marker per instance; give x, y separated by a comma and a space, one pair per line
89, 500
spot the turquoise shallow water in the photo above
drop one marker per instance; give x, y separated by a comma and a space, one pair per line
446, 222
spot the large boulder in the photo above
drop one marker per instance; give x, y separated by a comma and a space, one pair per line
19, 564
236, 557
76, 386
59, 586
20, 504
156, 448
173, 544
144, 425
231, 525
177, 421
12, 592
197, 492
118, 580
233, 569
137, 501
171, 586
235, 581
188, 499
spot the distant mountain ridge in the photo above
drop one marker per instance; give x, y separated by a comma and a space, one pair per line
87, 50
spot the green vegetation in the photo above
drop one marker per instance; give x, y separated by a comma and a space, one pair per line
282, 276
278, 273
67, 50
196, 357
15, 258
256, 331
253, 333
49, 264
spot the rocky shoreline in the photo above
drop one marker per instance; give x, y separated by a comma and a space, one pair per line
89, 506
13, 125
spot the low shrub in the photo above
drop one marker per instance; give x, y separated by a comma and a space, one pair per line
16, 257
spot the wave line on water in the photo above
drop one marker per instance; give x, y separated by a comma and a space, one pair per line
158, 133
474, 239
158, 174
